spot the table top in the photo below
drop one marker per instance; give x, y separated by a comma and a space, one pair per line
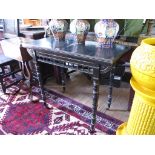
89, 50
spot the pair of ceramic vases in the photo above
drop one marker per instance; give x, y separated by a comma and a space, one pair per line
105, 30
78, 28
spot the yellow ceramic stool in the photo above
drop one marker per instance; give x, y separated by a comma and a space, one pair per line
142, 116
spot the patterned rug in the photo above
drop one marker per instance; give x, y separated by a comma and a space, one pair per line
68, 117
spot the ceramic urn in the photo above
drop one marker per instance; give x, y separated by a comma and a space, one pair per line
58, 28
79, 28
106, 30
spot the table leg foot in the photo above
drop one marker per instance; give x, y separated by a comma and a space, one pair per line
48, 106
108, 108
63, 89
92, 130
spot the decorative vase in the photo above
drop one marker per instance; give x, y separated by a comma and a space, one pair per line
79, 28
106, 30
142, 116
58, 28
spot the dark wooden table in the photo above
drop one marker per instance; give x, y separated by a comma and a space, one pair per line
87, 58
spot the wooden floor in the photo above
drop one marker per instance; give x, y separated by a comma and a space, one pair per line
79, 88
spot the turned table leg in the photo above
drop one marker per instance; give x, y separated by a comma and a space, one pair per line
40, 82
95, 99
63, 79
110, 89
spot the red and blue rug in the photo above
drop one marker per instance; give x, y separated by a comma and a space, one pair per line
68, 117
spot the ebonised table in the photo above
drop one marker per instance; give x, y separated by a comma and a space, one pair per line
87, 58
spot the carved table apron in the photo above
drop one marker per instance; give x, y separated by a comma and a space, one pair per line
87, 58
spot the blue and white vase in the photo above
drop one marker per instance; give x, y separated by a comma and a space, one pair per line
106, 31
58, 28
79, 28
